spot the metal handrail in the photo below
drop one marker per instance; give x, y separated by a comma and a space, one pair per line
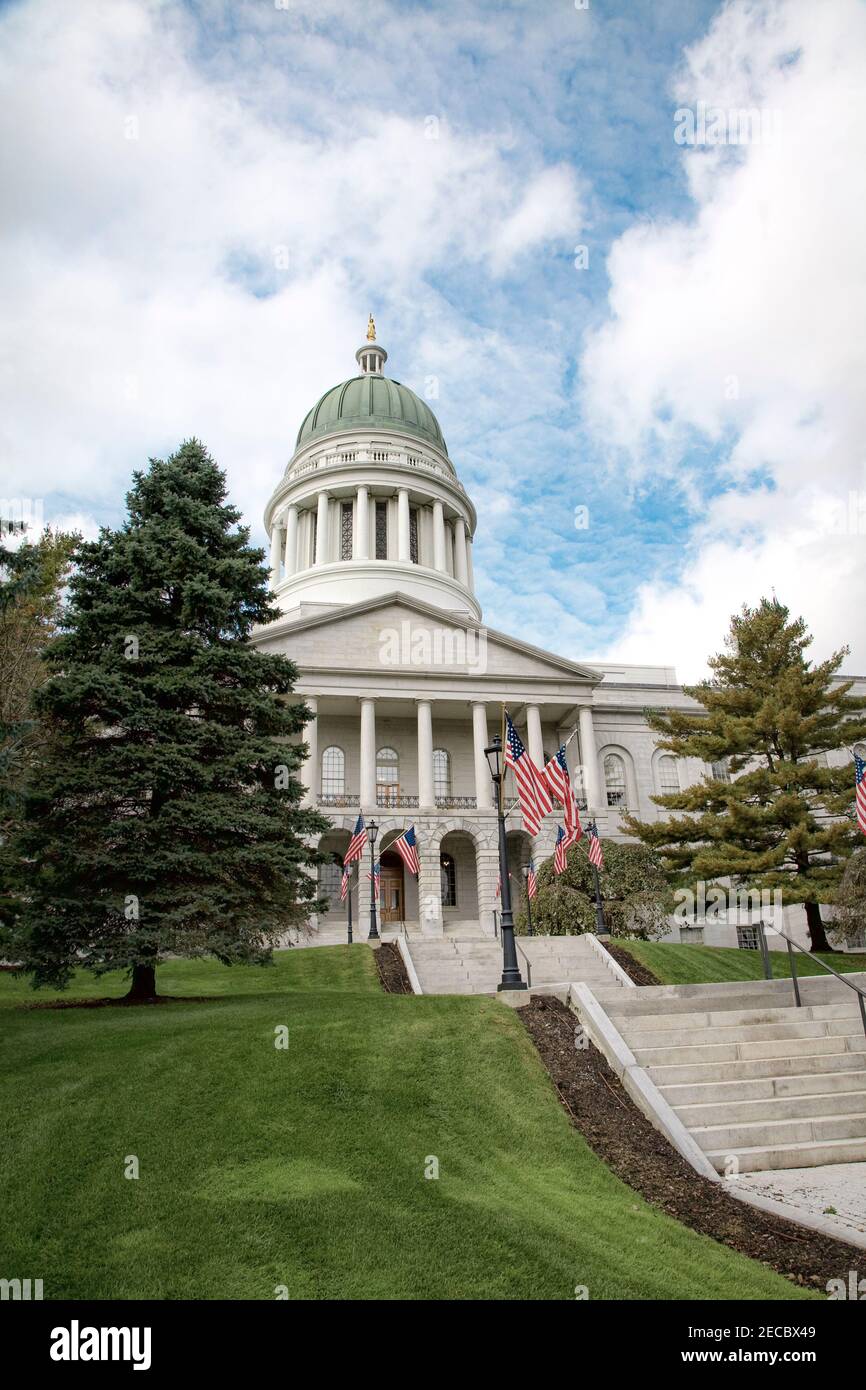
528, 962
792, 944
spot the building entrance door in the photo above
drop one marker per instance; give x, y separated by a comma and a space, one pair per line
391, 902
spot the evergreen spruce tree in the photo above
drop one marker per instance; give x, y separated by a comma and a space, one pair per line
784, 819
166, 815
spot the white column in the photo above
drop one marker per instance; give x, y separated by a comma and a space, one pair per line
483, 780
592, 784
322, 530
276, 548
310, 771
469, 564
438, 537
403, 524
368, 754
533, 728
426, 798
362, 525
291, 541
460, 561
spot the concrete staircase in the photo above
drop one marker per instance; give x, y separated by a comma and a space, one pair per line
474, 965
751, 1076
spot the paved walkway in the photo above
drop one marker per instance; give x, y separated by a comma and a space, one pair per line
841, 1186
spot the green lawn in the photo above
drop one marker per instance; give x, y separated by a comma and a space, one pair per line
702, 965
305, 1168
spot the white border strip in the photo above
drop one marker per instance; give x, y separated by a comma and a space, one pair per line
403, 948
613, 965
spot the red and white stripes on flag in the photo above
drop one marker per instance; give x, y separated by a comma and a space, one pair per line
860, 789
376, 877
407, 848
344, 883
532, 790
595, 855
531, 880
557, 777
559, 855
358, 842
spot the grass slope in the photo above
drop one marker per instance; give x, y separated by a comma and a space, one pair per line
305, 1168
704, 965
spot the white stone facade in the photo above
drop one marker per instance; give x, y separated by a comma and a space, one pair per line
371, 557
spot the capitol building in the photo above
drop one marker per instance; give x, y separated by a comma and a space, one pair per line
371, 538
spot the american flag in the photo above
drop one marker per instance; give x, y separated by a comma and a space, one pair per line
407, 848
595, 855
344, 883
376, 877
358, 842
559, 857
860, 789
531, 881
556, 776
532, 790
573, 827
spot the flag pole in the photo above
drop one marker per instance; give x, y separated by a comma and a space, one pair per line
349, 901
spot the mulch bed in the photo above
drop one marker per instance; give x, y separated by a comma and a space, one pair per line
392, 972
633, 968
623, 1137
123, 1002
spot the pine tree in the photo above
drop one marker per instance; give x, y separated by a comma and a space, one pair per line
166, 815
784, 820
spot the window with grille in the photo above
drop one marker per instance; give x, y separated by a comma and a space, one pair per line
669, 778
448, 875
720, 770
387, 775
747, 939
441, 772
381, 530
333, 772
346, 520
614, 779
330, 875
413, 535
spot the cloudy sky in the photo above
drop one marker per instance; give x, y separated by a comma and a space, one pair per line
202, 202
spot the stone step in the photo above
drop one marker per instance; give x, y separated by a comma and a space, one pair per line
747, 994
806, 1107
756, 1032
764, 1088
785, 1049
780, 1133
736, 1018
803, 1155
674, 1073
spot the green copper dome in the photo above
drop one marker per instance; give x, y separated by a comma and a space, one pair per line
371, 401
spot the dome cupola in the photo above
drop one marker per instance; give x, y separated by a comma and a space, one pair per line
370, 502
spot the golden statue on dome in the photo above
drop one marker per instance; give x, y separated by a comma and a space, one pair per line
371, 330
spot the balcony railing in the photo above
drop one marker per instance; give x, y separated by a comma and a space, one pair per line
339, 799
333, 458
456, 803
398, 799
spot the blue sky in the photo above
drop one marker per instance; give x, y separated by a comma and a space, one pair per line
206, 200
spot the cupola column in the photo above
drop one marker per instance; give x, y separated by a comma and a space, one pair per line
322, 529
460, 560
403, 525
362, 525
438, 537
291, 541
276, 548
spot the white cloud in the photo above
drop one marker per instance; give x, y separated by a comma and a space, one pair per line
742, 327
149, 191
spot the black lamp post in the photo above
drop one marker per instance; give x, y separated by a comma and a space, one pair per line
372, 832
511, 977
600, 928
349, 904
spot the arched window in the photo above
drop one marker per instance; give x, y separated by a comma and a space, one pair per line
441, 773
387, 776
333, 772
669, 777
614, 779
449, 880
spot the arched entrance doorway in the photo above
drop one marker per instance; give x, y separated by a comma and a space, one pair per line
392, 889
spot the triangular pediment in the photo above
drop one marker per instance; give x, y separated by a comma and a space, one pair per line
394, 634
